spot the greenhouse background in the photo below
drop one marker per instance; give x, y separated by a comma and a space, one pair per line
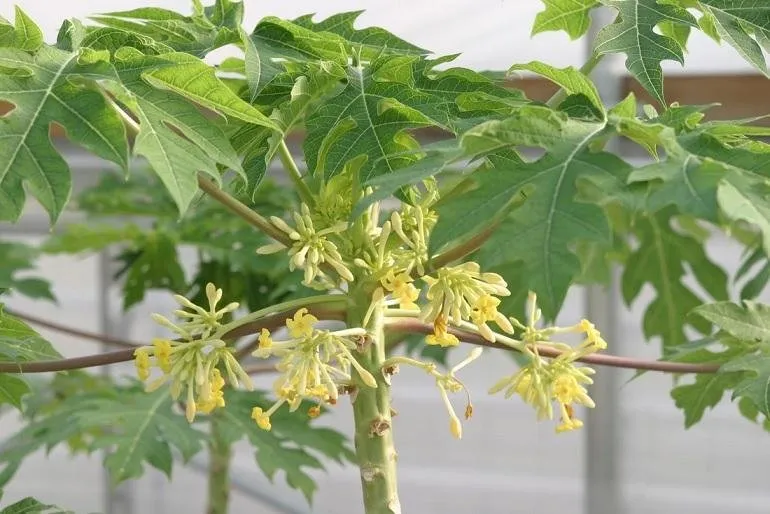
633, 457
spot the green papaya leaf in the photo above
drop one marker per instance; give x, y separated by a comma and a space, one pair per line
45, 92
632, 34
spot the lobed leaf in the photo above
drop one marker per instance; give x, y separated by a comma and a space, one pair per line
571, 16
43, 91
662, 260
633, 34
288, 446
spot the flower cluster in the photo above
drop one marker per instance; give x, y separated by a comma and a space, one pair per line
191, 363
461, 293
543, 382
311, 249
313, 364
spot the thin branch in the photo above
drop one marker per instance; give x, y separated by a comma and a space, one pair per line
218, 194
293, 171
417, 326
257, 369
89, 361
461, 250
244, 211
82, 334
270, 321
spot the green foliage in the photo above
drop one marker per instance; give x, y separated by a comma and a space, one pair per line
746, 329
88, 413
51, 86
737, 21
16, 259
150, 254
19, 343
632, 34
536, 181
662, 261
291, 446
571, 16
32, 506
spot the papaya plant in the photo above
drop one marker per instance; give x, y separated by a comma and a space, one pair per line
377, 241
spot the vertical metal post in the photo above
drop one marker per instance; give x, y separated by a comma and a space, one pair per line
117, 500
603, 484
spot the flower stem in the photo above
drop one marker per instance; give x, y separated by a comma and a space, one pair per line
293, 171
220, 457
373, 414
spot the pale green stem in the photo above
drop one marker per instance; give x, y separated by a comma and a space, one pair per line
293, 171
220, 458
392, 317
373, 414
586, 69
326, 300
232, 204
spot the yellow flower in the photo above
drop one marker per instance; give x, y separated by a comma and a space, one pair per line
484, 310
301, 325
314, 411
440, 335
142, 363
593, 336
216, 397
262, 418
568, 421
402, 288
162, 353
265, 341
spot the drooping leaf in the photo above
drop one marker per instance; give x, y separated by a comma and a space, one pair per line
633, 34
43, 91
571, 16
290, 445
749, 202
175, 158
708, 172
732, 31
736, 21
661, 260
